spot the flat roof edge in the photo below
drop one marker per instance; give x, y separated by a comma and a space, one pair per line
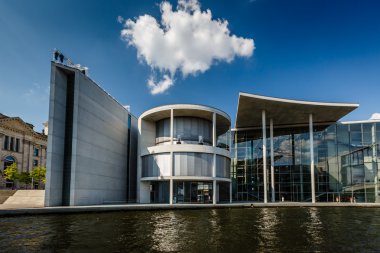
185, 106
360, 121
293, 101
75, 70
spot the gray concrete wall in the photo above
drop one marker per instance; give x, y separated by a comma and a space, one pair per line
99, 149
55, 150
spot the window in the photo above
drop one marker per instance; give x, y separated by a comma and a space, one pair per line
35, 163
9, 160
36, 152
12, 147
17, 145
156, 165
190, 128
193, 164
6, 142
223, 165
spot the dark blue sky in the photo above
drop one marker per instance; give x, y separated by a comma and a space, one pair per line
311, 50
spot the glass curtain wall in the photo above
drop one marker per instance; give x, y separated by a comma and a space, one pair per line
346, 158
223, 140
246, 166
358, 152
159, 192
291, 167
192, 192
187, 130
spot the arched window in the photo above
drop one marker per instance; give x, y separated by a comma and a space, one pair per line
8, 160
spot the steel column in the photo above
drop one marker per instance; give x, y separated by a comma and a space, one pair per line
311, 132
264, 157
271, 160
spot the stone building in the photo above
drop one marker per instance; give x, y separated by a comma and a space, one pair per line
21, 144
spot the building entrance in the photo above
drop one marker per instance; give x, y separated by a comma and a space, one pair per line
192, 192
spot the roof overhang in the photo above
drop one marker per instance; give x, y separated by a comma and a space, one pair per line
286, 111
223, 121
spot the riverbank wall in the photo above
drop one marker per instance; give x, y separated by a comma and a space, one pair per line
146, 207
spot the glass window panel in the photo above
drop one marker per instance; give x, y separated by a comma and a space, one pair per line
192, 164
194, 129
355, 127
163, 130
156, 165
177, 164
183, 168
191, 158
190, 128
367, 127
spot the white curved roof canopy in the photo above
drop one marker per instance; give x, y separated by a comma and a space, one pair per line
287, 111
223, 121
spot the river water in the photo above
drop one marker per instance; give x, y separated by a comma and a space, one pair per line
203, 230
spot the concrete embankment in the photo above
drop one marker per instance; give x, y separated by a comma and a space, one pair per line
137, 207
5, 194
24, 199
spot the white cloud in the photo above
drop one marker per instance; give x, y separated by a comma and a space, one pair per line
188, 5
120, 19
161, 86
186, 40
375, 116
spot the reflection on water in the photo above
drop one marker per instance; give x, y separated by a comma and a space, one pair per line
313, 227
267, 223
215, 228
166, 229
208, 230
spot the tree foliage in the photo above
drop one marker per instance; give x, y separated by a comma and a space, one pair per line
10, 172
24, 177
39, 174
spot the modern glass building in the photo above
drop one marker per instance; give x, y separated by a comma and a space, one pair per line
278, 150
303, 154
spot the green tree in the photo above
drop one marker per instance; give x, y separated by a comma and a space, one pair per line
24, 177
10, 172
39, 174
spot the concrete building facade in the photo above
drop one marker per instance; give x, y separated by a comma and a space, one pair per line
279, 150
92, 143
180, 158
20, 144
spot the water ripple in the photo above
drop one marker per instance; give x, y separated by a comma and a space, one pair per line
211, 230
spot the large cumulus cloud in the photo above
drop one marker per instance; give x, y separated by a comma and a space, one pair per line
186, 40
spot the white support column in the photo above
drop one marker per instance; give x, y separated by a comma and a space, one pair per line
265, 157
171, 156
375, 168
311, 132
214, 159
214, 129
271, 160
171, 125
214, 180
234, 162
